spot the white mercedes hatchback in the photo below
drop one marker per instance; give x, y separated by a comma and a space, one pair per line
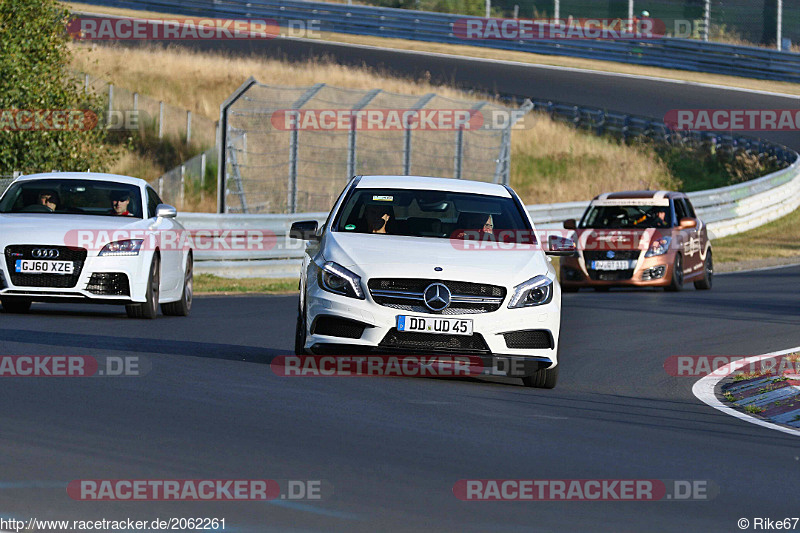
417, 265
95, 238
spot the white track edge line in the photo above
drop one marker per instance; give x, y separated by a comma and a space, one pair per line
703, 390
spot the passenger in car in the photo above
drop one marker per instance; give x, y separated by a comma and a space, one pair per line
378, 218
49, 199
119, 203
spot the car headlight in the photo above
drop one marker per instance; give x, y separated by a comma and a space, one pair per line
337, 279
659, 247
126, 247
535, 291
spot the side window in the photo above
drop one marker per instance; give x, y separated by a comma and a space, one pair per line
689, 208
680, 209
152, 202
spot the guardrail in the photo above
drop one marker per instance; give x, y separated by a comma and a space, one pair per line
684, 54
726, 210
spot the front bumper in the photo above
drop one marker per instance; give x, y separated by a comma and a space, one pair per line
107, 291
649, 272
379, 333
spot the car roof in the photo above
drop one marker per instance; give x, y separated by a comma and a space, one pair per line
93, 176
432, 184
629, 195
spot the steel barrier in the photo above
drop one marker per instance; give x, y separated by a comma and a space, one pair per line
683, 54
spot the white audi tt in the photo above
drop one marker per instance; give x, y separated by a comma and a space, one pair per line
418, 265
90, 237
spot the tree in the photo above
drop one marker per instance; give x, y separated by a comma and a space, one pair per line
40, 101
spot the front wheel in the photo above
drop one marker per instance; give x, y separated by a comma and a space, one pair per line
677, 275
148, 309
184, 305
16, 305
546, 378
300, 333
708, 278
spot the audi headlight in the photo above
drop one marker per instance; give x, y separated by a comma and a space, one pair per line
337, 279
659, 247
535, 291
126, 247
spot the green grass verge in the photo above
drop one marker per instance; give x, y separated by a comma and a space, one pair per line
209, 283
780, 238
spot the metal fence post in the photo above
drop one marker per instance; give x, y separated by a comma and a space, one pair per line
136, 101
351, 139
419, 104
458, 158
161, 186
706, 19
188, 127
85, 83
502, 173
222, 143
557, 9
780, 25
110, 99
183, 185
630, 16
294, 138
160, 120
202, 174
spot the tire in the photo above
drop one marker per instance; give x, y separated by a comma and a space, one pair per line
677, 275
545, 378
184, 305
708, 277
16, 305
300, 333
148, 309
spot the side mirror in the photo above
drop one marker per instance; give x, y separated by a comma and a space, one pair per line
166, 211
305, 230
688, 223
560, 246
570, 224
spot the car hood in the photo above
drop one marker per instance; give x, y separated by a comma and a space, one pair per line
24, 228
409, 257
616, 239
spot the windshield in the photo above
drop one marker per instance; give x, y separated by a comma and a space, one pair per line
433, 214
627, 216
73, 197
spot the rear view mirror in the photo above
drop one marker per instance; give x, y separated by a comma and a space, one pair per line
570, 224
305, 230
560, 246
166, 211
687, 223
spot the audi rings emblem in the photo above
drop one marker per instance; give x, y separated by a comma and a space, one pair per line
44, 253
436, 296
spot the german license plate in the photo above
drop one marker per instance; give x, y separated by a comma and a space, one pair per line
28, 266
444, 326
611, 265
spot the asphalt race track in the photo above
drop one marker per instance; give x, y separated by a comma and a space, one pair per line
392, 448
629, 94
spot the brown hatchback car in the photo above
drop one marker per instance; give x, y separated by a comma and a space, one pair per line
641, 239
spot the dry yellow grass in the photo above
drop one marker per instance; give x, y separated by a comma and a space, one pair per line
550, 162
507, 55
